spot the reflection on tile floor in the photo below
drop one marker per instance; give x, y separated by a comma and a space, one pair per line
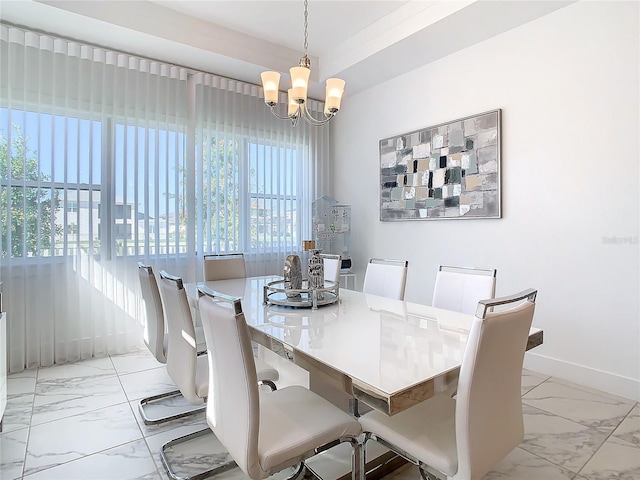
81, 422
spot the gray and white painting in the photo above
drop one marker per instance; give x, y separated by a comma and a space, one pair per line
445, 171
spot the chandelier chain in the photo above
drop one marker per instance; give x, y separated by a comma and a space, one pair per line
297, 94
306, 26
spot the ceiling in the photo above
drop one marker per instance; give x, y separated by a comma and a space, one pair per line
282, 22
364, 42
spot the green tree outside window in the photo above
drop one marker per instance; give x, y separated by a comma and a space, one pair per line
30, 225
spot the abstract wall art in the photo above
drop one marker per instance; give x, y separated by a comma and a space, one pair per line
448, 171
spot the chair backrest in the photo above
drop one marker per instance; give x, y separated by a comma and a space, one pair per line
224, 266
233, 405
331, 267
386, 278
182, 351
461, 288
489, 405
154, 337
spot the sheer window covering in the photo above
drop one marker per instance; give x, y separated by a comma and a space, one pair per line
111, 159
256, 175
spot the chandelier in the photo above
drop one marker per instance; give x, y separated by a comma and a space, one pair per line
297, 94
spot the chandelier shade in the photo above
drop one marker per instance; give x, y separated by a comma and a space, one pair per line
297, 94
270, 84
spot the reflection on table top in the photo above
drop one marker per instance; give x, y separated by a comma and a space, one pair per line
387, 347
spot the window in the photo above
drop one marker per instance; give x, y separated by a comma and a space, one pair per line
65, 198
104, 156
50, 169
267, 177
150, 180
273, 199
219, 191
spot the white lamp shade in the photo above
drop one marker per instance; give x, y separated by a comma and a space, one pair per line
334, 91
293, 105
299, 82
270, 84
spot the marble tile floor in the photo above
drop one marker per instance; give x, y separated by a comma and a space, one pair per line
80, 421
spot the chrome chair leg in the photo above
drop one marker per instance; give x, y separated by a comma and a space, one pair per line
198, 476
357, 460
300, 472
426, 475
362, 458
268, 383
154, 421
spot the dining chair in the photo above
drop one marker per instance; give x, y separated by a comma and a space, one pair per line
268, 433
331, 264
230, 266
386, 278
187, 369
224, 266
156, 339
461, 288
464, 437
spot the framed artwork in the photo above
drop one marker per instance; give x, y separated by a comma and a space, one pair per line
448, 171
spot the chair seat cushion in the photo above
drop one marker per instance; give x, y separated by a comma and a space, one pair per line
266, 371
426, 431
293, 422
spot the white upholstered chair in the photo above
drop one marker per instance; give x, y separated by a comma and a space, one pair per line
464, 437
461, 288
231, 266
224, 266
263, 433
187, 369
331, 265
386, 278
156, 339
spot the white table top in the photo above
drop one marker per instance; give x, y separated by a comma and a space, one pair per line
396, 353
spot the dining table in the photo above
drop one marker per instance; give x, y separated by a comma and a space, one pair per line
390, 354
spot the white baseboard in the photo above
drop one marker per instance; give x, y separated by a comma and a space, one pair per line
589, 377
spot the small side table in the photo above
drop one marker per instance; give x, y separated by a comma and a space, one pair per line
346, 279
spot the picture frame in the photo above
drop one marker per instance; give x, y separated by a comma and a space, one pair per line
445, 171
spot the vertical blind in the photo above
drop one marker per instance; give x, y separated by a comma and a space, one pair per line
256, 175
107, 159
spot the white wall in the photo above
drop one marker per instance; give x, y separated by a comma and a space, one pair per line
567, 85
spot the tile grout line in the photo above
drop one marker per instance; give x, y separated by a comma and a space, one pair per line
98, 377
591, 391
144, 438
23, 477
26, 445
569, 419
606, 439
159, 471
81, 458
577, 474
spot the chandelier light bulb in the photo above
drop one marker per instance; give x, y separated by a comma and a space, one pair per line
334, 91
299, 83
270, 83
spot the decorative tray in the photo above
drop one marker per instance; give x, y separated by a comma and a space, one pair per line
275, 293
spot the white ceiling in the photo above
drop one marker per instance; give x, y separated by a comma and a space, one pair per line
364, 42
282, 22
